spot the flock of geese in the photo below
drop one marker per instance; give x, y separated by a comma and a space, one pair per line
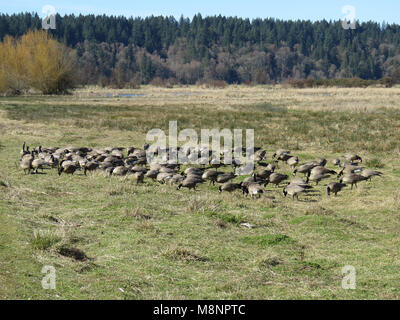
135, 166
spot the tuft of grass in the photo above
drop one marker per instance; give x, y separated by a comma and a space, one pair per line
183, 254
235, 218
269, 262
267, 240
44, 240
375, 163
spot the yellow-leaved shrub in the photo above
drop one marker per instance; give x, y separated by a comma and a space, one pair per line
35, 61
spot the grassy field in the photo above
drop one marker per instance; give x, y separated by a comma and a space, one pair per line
154, 242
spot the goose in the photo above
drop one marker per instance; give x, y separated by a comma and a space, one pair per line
259, 156
292, 162
271, 167
100, 157
229, 187
293, 190
195, 177
24, 151
194, 170
141, 161
368, 173
321, 162
225, 177
42, 154
108, 171
162, 177
259, 153
335, 188
130, 161
137, 176
139, 169
119, 171
51, 160
175, 179
305, 168
210, 175
322, 170
264, 173
280, 152
26, 163
152, 174
254, 189
39, 164
336, 162
317, 177
352, 179
215, 163
187, 183
90, 166
285, 157
276, 178
352, 157
155, 166
350, 169
253, 179
117, 153
172, 165
68, 167
139, 153
106, 165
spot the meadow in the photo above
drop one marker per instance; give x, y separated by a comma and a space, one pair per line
152, 241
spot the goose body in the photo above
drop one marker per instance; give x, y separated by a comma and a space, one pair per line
352, 179
119, 171
137, 176
68, 167
321, 170
152, 174
293, 162
39, 164
90, 166
335, 188
211, 175
264, 173
254, 190
26, 164
305, 168
188, 183
293, 190
317, 177
225, 177
276, 178
229, 187
368, 173
352, 157
280, 153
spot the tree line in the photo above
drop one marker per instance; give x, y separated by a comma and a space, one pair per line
126, 52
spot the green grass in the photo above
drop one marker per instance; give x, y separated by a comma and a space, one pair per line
103, 234
267, 240
43, 240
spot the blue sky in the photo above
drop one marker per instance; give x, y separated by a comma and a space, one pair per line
382, 10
